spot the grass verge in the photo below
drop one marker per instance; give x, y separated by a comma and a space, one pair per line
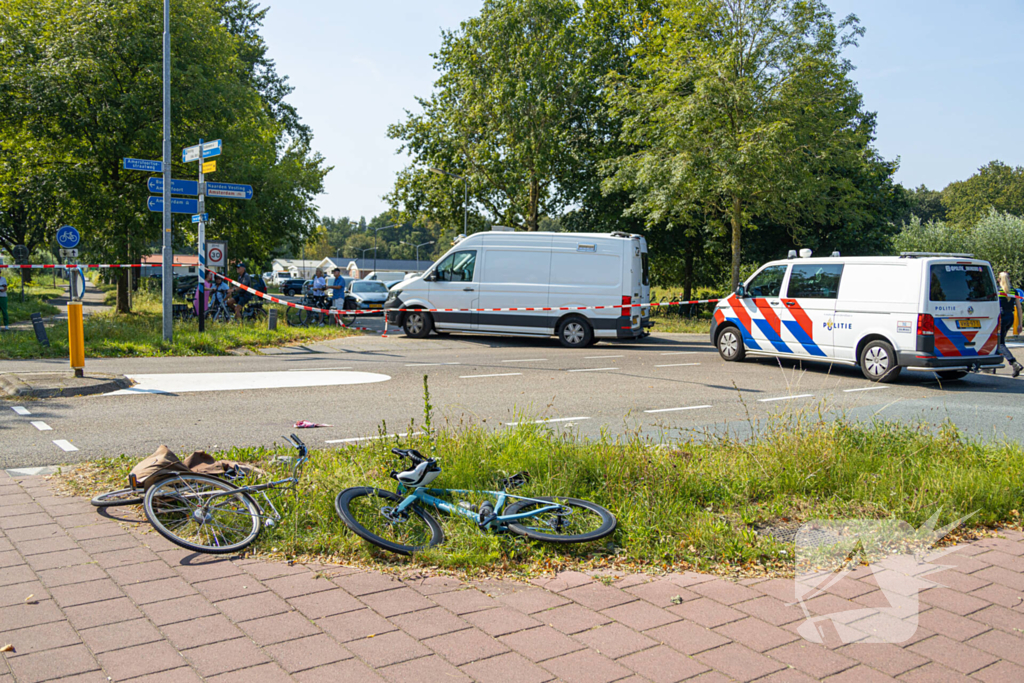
37, 293
693, 505
140, 333
694, 318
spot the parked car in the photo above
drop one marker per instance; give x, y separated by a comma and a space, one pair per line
294, 286
500, 269
268, 276
919, 311
280, 277
365, 295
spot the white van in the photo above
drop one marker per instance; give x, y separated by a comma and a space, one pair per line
920, 311
541, 270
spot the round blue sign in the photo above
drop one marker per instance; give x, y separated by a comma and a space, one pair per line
68, 237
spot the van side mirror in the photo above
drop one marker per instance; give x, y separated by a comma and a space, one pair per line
741, 291
430, 277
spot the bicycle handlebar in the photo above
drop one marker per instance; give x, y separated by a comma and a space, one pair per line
409, 453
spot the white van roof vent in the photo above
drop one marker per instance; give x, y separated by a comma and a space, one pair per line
805, 253
835, 254
918, 254
792, 253
619, 233
502, 228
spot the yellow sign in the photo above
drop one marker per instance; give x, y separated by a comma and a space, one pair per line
209, 166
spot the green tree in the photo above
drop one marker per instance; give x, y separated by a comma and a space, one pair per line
739, 108
995, 186
504, 113
925, 204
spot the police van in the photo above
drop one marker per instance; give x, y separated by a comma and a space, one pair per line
542, 271
919, 311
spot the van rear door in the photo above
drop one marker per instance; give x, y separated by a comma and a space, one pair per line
645, 281
964, 305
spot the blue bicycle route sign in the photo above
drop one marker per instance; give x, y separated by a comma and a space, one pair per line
143, 165
178, 205
156, 186
68, 237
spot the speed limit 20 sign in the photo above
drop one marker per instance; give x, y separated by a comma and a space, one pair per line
216, 254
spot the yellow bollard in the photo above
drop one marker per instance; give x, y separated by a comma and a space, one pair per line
76, 338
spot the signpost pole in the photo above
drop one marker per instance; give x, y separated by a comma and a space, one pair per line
167, 262
202, 244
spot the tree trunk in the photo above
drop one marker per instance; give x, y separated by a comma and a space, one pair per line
531, 218
688, 271
737, 212
122, 292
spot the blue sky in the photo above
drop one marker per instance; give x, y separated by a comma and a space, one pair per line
943, 76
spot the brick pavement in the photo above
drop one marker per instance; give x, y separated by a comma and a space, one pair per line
112, 602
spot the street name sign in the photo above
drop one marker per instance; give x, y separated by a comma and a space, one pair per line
178, 205
210, 149
200, 217
68, 237
229, 190
156, 186
143, 165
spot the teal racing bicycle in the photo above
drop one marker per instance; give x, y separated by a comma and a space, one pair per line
400, 523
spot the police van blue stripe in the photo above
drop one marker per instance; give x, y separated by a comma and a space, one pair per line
748, 341
770, 334
805, 341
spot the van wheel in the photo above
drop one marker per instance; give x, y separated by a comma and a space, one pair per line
878, 362
575, 332
417, 324
730, 345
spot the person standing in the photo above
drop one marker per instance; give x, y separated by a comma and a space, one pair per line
1008, 303
240, 297
337, 288
3, 300
317, 290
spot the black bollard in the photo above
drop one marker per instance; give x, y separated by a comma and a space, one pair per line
37, 325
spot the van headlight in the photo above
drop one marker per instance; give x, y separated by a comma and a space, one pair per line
392, 295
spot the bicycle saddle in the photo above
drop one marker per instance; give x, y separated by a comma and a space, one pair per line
420, 475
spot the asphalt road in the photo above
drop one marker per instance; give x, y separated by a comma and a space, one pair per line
667, 387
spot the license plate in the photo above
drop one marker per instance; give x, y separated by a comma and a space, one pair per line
968, 324
376, 305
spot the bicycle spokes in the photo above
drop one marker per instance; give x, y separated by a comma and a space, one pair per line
194, 512
381, 517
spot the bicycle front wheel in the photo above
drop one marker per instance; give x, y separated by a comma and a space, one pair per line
296, 317
119, 497
370, 514
573, 521
203, 514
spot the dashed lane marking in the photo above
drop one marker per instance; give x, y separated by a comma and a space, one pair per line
591, 369
546, 421
784, 398
670, 410
500, 374
372, 438
675, 365
65, 445
20, 410
180, 383
41, 426
847, 391
524, 360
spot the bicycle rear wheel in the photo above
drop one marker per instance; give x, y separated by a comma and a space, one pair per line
369, 513
203, 514
120, 497
574, 521
296, 317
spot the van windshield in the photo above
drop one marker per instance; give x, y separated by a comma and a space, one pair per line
962, 282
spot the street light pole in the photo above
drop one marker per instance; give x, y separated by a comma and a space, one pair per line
418, 253
167, 262
465, 195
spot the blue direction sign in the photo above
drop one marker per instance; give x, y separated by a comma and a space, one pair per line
210, 149
229, 190
178, 205
156, 186
201, 217
68, 237
143, 165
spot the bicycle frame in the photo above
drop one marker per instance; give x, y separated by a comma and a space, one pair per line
498, 522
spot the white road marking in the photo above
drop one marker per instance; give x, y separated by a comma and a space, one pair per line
65, 445
545, 421
593, 357
669, 410
372, 438
500, 374
31, 471
847, 391
523, 360
675, 365
423, 365
678, 353
784, 398
20, 410
592, 369
347, 367
42, 426
237, 381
